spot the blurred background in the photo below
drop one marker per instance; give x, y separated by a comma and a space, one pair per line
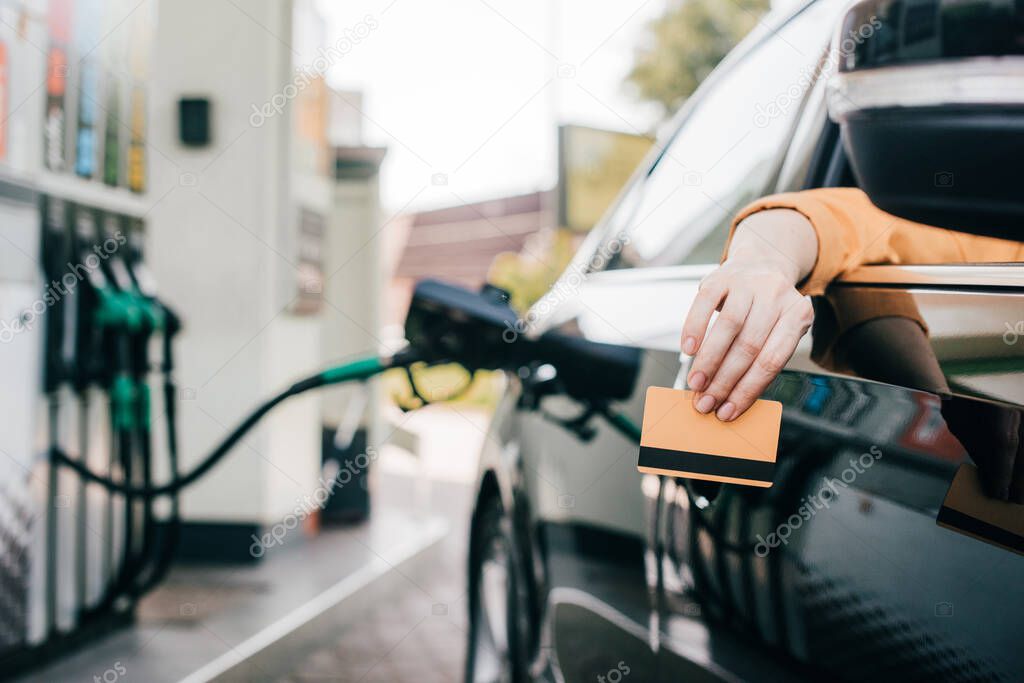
280, 173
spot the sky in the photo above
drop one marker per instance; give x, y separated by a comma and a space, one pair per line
467, 94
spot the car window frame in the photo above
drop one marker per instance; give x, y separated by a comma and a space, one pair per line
825, 168
598, 236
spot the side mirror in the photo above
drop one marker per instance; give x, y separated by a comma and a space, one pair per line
930, 101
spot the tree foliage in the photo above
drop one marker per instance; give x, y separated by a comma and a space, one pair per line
686, 43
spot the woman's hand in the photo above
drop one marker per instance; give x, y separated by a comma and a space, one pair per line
761, 316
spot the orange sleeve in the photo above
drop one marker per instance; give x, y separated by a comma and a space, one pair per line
853, 232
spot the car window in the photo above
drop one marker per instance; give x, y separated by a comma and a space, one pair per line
725, 153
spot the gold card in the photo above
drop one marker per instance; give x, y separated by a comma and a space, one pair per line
678, 441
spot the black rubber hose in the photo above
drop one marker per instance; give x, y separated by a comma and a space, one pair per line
145, 556
171, 531
203, 467
52, 484
146, 553
358, 370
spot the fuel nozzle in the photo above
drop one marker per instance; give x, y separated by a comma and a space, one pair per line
448, 323
481, 331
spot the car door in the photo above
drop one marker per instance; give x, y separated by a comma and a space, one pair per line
589, 508
600, 519
842, 565
842, 569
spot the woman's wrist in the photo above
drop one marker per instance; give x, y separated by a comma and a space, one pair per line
766, 258
782, 240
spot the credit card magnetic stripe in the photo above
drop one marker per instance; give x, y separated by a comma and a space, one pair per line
959, 521
702, 463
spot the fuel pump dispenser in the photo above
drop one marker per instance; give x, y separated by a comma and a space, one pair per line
102, 324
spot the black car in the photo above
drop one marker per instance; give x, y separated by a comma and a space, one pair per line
582, 569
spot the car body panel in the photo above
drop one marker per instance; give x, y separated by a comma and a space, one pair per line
664, 577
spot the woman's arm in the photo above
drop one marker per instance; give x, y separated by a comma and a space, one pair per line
784, 247
762, 315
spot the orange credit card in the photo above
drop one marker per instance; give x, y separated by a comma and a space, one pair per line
678, 441
969, 511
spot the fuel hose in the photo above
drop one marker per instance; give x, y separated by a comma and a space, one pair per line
357, 370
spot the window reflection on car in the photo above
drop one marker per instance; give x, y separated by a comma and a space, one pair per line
725, 154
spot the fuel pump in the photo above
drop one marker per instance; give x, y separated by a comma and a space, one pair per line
89, 322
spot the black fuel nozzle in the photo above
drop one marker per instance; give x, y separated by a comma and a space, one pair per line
448, 323
61, 319
93, 342
157, 315
481, 331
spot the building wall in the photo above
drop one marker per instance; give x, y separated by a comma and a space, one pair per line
221, 248
459, 243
